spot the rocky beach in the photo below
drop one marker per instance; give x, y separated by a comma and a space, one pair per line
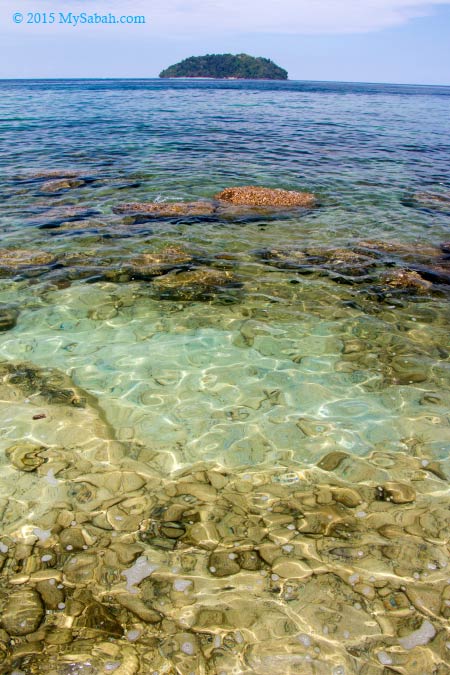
224, 376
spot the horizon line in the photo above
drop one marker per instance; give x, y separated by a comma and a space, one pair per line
165, 79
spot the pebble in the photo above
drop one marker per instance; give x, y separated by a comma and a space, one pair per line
290, 569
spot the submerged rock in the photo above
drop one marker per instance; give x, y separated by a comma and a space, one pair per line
406, 280
199, 284
47, 218
53, 174
54, 413
50, 384
88, 224
251, 195
153, 264
416, 250
19, 259
287, 257
246, 582
8, 317
166, 209
26, 456
60, 185
429, 200
23, 612
345, 262
437, 273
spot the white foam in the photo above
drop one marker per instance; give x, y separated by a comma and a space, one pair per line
304, 639
384, 658
42, 535
421, 636
137, 572
187, 648
181, 584
50, 478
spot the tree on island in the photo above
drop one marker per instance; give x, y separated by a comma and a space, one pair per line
223, 66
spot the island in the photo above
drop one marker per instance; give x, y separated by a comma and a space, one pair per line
227, 67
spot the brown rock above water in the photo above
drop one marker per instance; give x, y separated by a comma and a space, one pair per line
251, 195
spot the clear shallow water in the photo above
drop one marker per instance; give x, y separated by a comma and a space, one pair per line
308, 352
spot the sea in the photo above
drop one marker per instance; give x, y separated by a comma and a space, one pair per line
224, 430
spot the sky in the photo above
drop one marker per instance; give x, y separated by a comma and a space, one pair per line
404, 41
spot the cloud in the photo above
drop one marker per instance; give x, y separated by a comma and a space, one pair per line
289, 16
214, 17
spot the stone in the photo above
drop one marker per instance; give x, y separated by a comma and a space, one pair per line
346, 496
8, 317
199, 284
50, 593
204, 535
406, 280
72, 539
80, 568
26, 456
432, 200
290, 568
331, 461
99, 618
251, 195
53, 186
398, 493
154, 264
139, 608
223, 564
250, 560
18, 259
23, 612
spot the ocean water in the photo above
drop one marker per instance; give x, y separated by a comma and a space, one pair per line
224, 434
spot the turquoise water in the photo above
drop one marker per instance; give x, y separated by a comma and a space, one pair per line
312, 346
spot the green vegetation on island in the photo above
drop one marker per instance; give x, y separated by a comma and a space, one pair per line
227, 66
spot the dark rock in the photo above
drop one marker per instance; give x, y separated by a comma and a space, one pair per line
436, 274
199, 284
57, 186
341, 262
8, 317
148, 265
408, 251
50, 385
428, 201
406, 280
